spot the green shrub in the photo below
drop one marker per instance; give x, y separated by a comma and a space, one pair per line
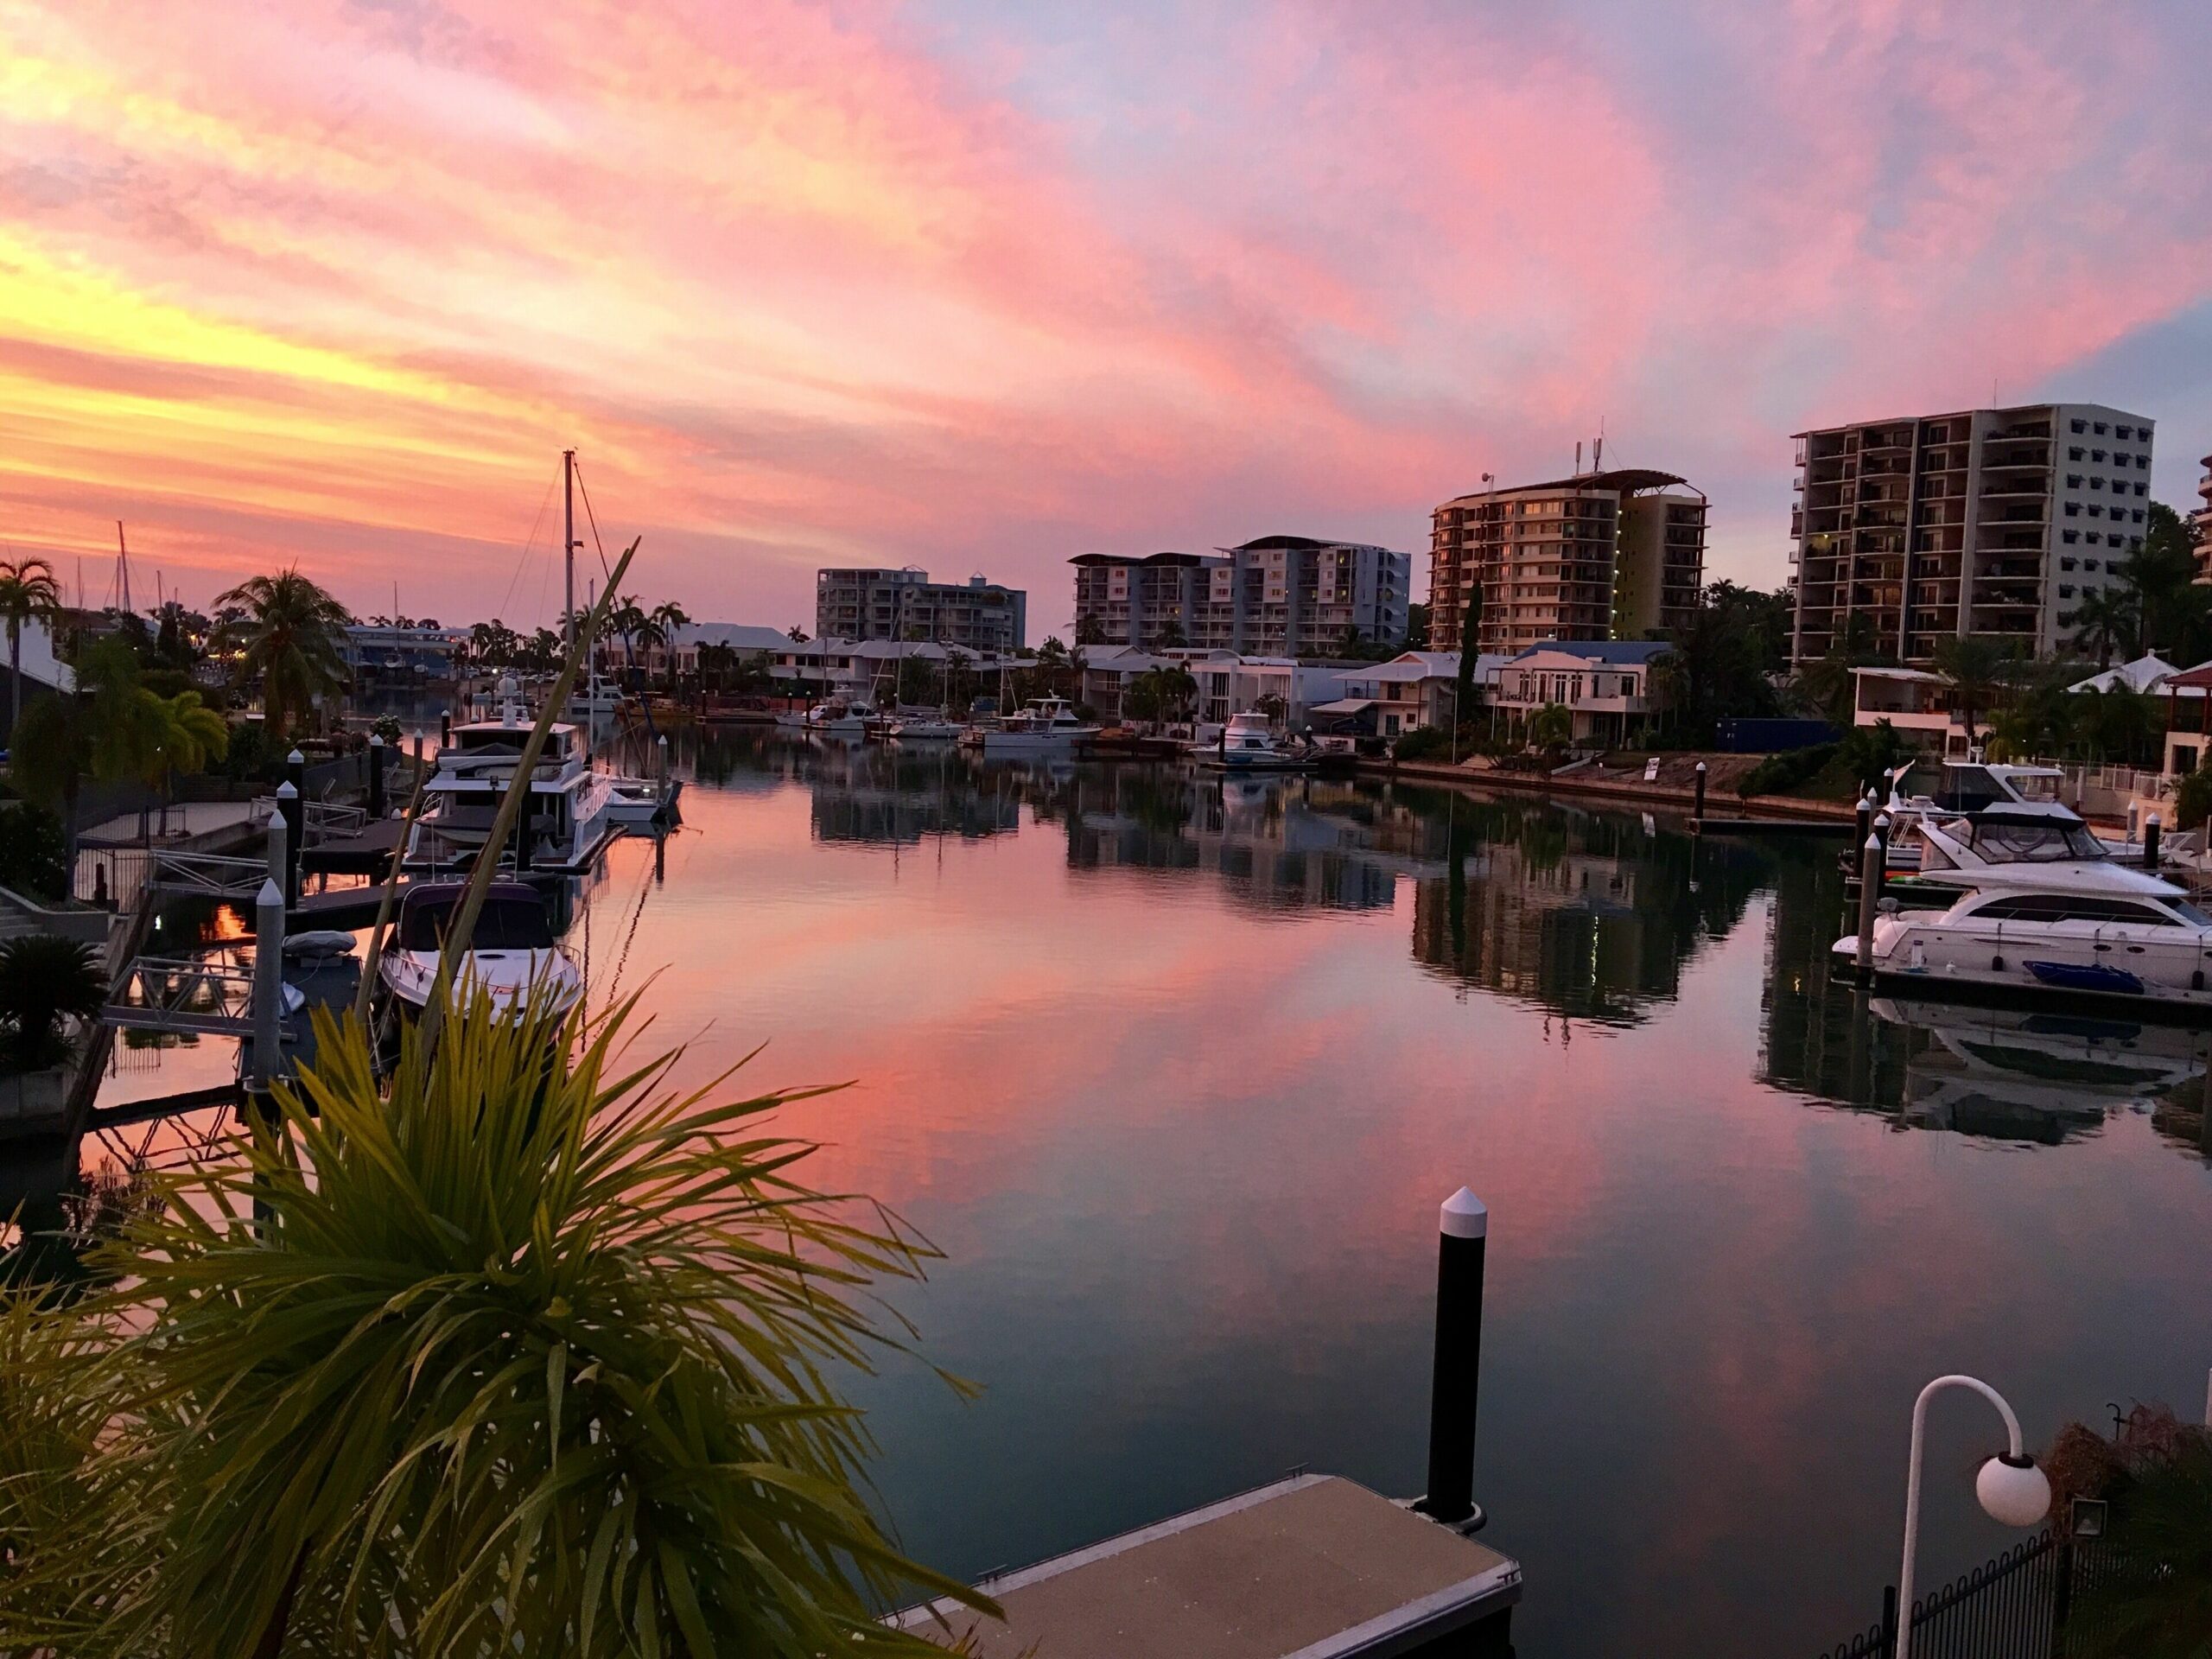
43, 977
1779, 773
1867, 752
2193, 803
32, 852
1423, 743
250, 756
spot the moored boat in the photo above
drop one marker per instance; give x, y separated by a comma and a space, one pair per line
1248, 744
512, 955
1043, 726
2039, 908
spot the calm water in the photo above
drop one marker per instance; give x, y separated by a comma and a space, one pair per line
1176, 1073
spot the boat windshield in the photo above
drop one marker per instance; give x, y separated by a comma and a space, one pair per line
506, 924
2009, 841
2034, 786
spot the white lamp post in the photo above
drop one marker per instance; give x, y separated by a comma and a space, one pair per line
2012, 1489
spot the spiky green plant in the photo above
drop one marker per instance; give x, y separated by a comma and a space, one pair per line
521, 1352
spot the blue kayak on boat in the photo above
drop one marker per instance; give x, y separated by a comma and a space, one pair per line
2091, 977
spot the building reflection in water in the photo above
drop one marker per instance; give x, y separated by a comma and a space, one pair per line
1997, 1074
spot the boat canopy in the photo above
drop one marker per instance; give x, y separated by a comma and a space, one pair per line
514, 918
2024, 834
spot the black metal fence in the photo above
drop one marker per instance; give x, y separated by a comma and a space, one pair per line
2019, 1606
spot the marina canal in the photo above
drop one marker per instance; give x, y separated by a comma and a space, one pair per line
1175, 1069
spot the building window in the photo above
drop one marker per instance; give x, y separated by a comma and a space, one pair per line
2123, 431
2097, 454
2088, 564
2142, 489
2144, 461
2135, 544
2072, 480
2070, 535
2096, 483
2094, 538
2074, 451
2137, 515
2096, 511
2067, 565
2080, 426
2065, 590
2073, 509
2099, 429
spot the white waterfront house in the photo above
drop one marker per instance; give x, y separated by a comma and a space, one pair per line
1228, 683
1605, 683
1414, 689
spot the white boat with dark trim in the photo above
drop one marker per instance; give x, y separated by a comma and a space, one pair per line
1958, 789
2043, 908
839, 717
567, 824
1043, 726
925, 729
512, 954
1248, 744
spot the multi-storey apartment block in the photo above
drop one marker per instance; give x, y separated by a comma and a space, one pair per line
2201, 521
976, 615
1986, 521
1615, 555
1286, 595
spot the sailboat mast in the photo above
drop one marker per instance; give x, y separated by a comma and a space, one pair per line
569, 549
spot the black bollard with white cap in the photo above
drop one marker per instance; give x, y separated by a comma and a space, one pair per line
1882, 864
1870, 893
2150, 843
1463, 1226
1697, 810
268, 986
1864, 818
288, 807
445, 729
376, 776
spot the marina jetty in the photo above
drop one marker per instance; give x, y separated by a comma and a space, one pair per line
1308, 1566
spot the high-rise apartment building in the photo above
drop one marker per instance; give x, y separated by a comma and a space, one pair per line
1281, 596
2201, 521
1985, 521
1616, 555
976, 615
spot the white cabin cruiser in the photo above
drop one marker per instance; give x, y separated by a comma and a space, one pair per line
511, 956
1248, 744
2042, 907
1958, 789
566, 824
839, 717
1043, 726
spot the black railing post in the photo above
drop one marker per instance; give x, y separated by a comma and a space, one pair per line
1889, 1621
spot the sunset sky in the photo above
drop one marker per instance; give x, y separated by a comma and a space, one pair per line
978, 285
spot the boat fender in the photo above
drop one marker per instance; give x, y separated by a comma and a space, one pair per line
1997, 964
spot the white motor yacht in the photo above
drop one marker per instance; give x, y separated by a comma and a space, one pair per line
511, 956
566, 824
1958, 789
1044, 726
1248, 744
2042, 907
839, 717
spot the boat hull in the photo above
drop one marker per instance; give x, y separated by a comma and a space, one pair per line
2036, 979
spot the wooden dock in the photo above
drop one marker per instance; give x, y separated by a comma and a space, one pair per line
1313, 1566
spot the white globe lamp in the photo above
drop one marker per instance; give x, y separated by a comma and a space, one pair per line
2014, 1491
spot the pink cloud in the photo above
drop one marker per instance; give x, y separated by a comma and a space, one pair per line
931, 282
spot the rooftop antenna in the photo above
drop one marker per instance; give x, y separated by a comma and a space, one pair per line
1578, 457
1597, 454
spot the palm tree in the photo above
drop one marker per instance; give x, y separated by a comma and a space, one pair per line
43, 980
103, 729
28, 593
522, 1352
671, 619
192, 737
1975, 667
2106, 620
289, 636
1551, 726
